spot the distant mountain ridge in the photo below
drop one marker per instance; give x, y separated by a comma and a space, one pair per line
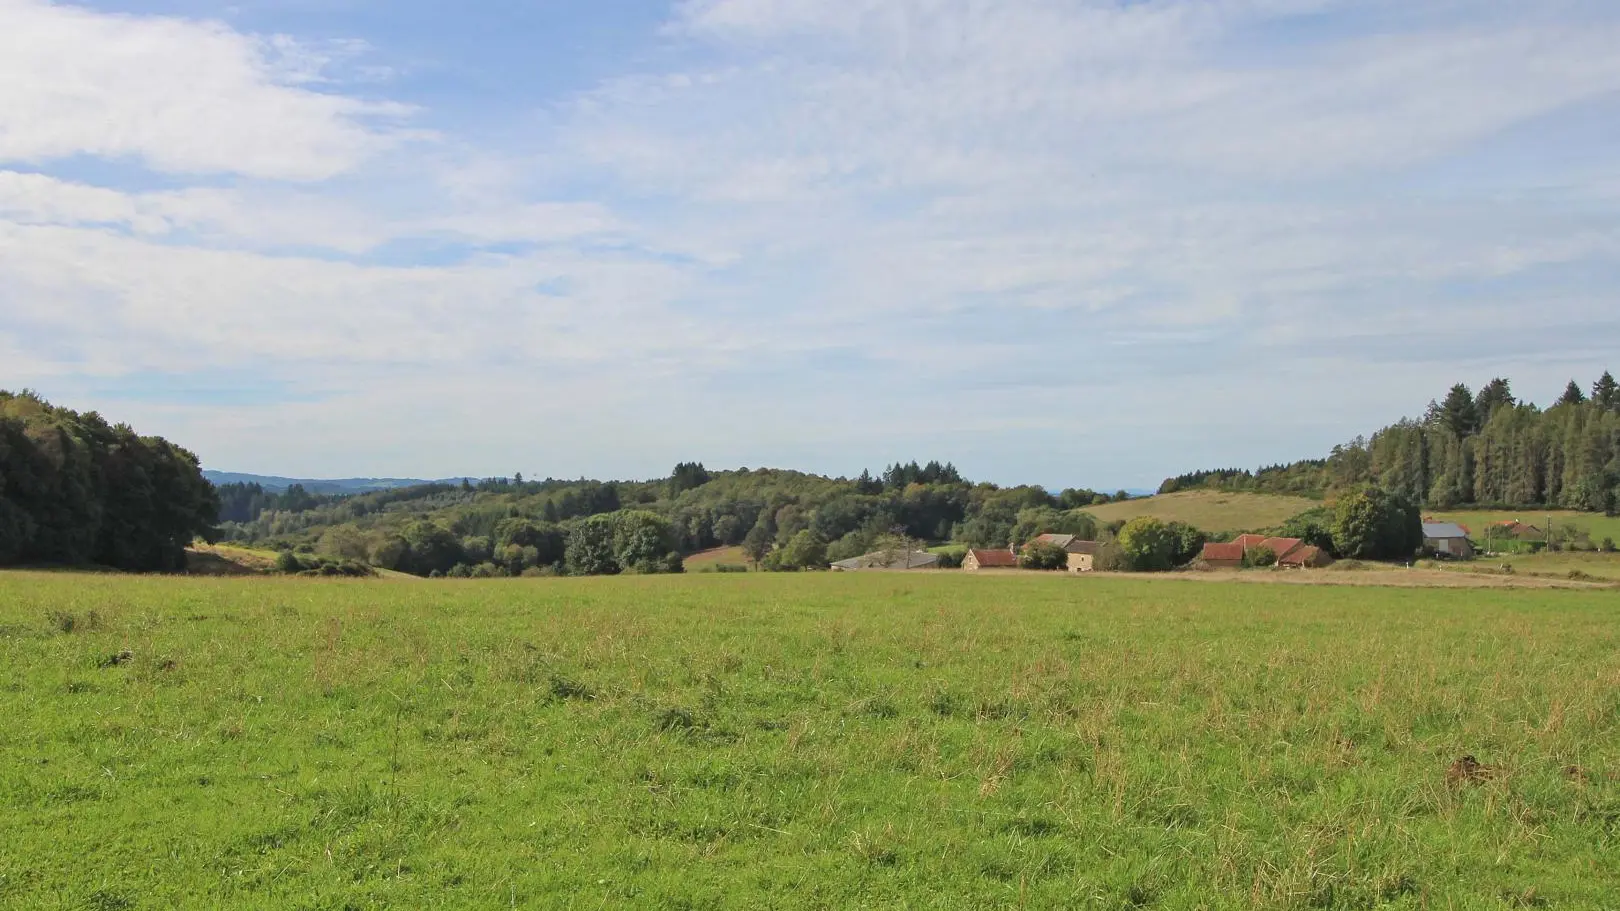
275, 484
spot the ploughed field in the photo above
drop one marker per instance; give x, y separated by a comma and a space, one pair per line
928, 740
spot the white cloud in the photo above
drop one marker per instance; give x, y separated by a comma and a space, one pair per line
988, 210
173, 94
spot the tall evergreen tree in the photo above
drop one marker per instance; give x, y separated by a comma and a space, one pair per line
1606, 392
1498, 393
1458, 412
1572, 395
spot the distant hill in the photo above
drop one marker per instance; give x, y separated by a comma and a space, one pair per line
313, 485
1211, 510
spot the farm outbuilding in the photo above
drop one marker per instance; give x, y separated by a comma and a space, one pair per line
1224, 556
1082, 554
1290, 552
1305, 556
989, 559
1448, 539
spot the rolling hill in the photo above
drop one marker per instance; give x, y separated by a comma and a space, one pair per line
276, 484
1210, 510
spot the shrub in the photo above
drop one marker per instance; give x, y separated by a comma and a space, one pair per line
1111, 559
1043, 555
1606, 546
1149, 545
1259, 557
1373, 523
288, 562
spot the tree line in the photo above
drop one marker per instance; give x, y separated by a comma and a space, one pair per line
75, 489
1485, 448
782, 519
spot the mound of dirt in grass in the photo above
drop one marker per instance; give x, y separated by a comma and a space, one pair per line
1468, 770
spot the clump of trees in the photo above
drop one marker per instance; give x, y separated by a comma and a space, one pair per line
1042, 555
1375, 524
625, 541
75, 489
1150, 545
296, 564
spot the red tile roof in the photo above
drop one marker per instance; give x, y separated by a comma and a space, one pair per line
1282, 547
1223, 553
1304, 555
1249, 540
996, 558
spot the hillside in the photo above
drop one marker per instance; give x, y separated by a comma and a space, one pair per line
1210, 510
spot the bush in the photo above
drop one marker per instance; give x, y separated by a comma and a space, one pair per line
308, 565
1042, 555
1149, 545
1111, 559
1606, 546
1373, 523
1259, 558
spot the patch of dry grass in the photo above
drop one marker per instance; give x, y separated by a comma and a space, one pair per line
1210, 510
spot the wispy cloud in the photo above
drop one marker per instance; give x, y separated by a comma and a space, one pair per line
1047, 228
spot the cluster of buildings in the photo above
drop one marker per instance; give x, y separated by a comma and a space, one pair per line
1082, 554
1290, 552
1442, 538
1082, 557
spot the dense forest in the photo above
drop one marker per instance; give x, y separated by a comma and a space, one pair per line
77, 490
1484, 448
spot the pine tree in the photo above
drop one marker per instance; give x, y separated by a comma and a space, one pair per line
1606, 392
1493, 395
1458, 412
1572, 395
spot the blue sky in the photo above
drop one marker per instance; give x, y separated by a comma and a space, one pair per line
1073, 242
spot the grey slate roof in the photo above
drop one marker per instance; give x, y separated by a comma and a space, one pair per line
917, 559
1443, 530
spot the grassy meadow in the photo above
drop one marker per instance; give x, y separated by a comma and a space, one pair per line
720, 556
1596, 525
921, 740
1210, 510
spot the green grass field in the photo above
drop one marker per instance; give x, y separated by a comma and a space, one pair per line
732, 556
929, 740
1602, 567
1210, 510
1594, 524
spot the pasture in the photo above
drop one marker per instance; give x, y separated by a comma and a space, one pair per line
1596, 525
1210, 510
905, 740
